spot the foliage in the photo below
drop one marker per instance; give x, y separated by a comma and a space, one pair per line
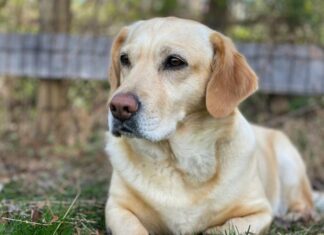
299, 21
18, 16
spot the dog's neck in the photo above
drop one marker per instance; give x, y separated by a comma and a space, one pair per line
199, 143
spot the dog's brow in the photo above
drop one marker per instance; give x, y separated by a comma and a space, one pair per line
167, 50
124, 51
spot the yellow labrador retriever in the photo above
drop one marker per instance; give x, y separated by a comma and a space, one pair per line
184, 158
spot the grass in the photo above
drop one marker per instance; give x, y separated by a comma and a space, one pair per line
65, 193
56, 189
55, 218
58, 193
58, 214
280, 227
80, 210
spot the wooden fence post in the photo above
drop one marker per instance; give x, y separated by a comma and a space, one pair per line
52, 106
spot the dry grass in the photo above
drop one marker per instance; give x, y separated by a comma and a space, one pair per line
62, 193
51, 187
307, 133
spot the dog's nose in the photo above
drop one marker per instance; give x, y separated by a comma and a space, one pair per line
123, 106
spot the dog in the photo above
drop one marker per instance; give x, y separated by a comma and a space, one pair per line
184, 158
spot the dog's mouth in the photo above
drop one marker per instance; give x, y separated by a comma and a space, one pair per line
123, 131
120, 129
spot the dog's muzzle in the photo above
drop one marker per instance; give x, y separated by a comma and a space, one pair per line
124, 107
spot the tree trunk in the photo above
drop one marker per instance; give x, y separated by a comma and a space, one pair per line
52, 106
217, 14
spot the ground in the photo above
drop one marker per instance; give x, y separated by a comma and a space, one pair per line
61, 189
65, 192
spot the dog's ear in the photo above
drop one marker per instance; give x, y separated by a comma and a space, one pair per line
114, 69
232, 79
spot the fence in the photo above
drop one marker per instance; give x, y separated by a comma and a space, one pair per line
282, 69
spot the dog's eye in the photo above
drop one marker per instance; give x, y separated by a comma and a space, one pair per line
175, 62
124, 60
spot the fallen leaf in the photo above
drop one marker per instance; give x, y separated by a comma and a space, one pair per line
35, 214
54, 218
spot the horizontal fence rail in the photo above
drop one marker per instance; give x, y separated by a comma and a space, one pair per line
47, 56
287, 68
282, 68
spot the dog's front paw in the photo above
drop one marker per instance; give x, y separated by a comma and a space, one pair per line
213, 231
221, 230
301, 216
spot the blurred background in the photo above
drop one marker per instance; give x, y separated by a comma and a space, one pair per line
53, 170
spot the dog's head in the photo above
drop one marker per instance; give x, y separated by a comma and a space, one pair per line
164, 69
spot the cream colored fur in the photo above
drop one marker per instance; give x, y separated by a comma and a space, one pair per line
200, 167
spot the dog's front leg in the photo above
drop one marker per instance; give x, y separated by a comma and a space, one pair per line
122, 221
251, 224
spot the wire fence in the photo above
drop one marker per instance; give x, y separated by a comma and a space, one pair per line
282, 68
